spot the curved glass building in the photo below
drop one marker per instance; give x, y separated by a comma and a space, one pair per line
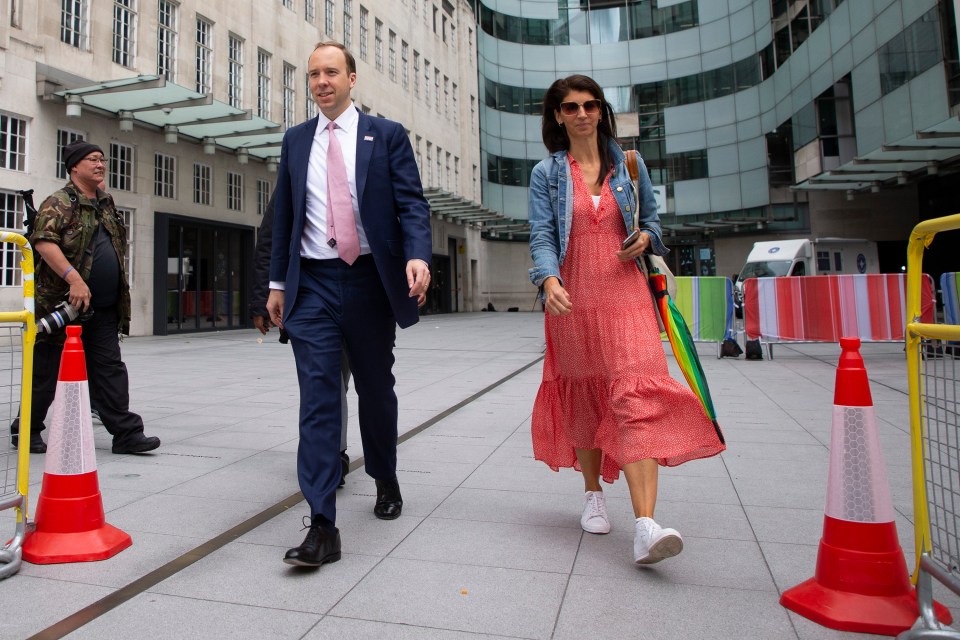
756, 118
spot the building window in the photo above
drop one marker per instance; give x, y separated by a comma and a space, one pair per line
124, 31
405, 65
436, 88
204, 78
234, 191
426, 82
74, 25
910, 52
456, 174
11, 217
363, 32
288, 4
328, 18
164, 176
16, 14
126, 214
446, 97
392, 56
378, 44
167, 40
64, 137
456, 107
202, 184
234, 71
416, 73
263, 84
429, 181
13, 143
289, 95
470, 46
416, 146
120, 169
347, 23
309, 11
310, 106
263, 196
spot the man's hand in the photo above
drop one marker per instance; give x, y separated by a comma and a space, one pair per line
262, 323
418, 277
275, 308
52, 254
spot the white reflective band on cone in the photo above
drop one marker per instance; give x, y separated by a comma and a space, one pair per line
857, 486
70, 448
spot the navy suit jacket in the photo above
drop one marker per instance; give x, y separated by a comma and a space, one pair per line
394, 213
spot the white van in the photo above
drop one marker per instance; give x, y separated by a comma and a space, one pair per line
806, 257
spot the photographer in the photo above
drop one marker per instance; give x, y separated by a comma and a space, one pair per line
82, 242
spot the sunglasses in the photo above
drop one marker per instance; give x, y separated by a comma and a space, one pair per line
590, 107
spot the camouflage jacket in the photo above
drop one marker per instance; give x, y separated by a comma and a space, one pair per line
71, 225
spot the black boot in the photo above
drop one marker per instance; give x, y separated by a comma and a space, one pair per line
37, 445
389, 502
322, 545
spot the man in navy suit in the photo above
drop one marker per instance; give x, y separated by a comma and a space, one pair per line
324, 301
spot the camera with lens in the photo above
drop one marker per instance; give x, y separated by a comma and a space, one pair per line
61, 316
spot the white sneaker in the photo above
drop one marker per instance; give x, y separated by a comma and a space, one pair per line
594, 518
654, 543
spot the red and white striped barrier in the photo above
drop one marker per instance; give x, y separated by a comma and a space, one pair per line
871, 307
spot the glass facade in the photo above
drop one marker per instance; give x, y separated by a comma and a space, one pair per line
591, 22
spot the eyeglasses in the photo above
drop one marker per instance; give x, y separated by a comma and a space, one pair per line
590, 107
103, 161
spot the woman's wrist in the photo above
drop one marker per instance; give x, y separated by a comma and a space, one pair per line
67, 272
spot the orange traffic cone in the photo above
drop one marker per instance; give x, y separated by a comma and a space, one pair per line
70, 525
861, 582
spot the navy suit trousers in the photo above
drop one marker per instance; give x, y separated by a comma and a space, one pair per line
342, 306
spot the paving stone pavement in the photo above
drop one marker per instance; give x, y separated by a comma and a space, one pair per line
489, 543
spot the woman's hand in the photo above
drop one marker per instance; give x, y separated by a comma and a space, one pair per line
557, 300
635, 250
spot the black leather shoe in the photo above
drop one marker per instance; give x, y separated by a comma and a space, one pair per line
140, 444
322, 545
37, 445
389, 502
344, 468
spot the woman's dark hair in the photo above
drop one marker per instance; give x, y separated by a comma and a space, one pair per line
555, 137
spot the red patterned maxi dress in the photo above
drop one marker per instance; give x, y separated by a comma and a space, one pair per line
605, 381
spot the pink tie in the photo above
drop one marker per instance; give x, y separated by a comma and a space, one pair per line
341, 225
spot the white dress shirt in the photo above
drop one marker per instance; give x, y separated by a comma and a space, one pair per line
313, 244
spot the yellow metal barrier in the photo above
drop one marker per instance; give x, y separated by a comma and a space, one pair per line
934, 439
17, 465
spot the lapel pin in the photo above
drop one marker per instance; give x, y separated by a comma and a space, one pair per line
368, 138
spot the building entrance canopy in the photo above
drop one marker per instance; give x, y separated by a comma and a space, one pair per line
932, 151
149, 100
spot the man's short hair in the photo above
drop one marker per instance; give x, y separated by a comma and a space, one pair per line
351, 61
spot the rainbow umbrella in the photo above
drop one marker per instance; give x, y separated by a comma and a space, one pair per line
684, 349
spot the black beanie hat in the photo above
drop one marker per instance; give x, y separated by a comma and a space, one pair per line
77, 151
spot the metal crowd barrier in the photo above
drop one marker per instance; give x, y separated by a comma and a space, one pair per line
18, 332
935, 441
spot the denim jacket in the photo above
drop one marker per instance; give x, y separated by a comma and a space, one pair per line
551, 210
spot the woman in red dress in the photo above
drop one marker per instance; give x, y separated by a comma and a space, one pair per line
607, 402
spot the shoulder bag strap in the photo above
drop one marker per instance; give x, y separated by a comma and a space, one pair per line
633, 168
